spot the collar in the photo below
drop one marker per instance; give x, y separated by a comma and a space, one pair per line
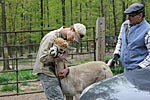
139, 23
61, 33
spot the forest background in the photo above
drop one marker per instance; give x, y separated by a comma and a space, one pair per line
25, 15
20, 18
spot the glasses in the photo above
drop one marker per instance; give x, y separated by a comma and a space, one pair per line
132, 15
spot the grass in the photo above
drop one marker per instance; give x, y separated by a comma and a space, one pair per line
7, 88
24, 84
26, 75
11, 76
6, 78
117, 70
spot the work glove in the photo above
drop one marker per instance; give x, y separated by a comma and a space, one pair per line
139, 67
114, 60
53, 51
56, 52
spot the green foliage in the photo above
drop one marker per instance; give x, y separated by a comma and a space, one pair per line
24, 84
117, 70
108, 56
31, 15
11, 76
11, 87
6, 77
26, 75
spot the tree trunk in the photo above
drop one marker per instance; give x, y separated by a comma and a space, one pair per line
42, 35
63, 12
123, 9
5, 48
114, 14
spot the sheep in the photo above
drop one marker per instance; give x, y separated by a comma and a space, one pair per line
83, 75
80, 76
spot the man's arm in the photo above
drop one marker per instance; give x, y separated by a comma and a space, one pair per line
146, 61
118, 45
45, 56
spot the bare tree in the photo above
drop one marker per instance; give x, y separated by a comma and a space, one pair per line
42, 34
103, 8
114, 14
5, 49
123, 9
63, 12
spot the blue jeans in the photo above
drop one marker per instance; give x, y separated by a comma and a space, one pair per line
51, 87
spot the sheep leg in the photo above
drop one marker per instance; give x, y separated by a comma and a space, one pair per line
69, 97
77, 96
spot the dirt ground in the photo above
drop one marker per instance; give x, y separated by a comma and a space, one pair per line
35, 96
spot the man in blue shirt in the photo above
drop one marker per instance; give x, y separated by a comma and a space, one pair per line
133, 46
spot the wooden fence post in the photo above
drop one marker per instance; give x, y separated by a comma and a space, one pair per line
100, 39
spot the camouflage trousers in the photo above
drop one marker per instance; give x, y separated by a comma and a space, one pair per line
51, 87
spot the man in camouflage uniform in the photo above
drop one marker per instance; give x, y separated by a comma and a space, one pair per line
46, 64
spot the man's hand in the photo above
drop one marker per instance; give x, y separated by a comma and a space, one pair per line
56, 52
63, 73
59, 58
114, 60
139, 67
53, 51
